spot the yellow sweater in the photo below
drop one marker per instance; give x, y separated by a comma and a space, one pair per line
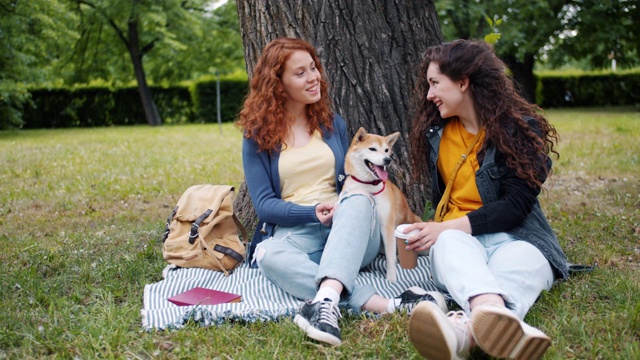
464, 192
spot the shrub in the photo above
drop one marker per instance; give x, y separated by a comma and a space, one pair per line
102, 106
588, 89
232, 94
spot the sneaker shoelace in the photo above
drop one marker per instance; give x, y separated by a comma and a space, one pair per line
329, 313
459, 319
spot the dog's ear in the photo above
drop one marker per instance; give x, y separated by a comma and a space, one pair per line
391, 139
360, 135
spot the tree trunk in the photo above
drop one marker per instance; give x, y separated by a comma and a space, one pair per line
523, 75
149, 106
371, 51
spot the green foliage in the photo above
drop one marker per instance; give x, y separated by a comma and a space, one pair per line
33, 38
526, 25
494, 35
14, 98
555, 31
180, 40
82, 212
222, 48
45, 43
428, 212
604, 30
461, 20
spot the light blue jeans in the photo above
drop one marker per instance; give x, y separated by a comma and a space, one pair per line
298, 258
467, 266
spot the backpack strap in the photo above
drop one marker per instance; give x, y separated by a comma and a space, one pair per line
228, 251
169, 219
245, 237
214, 257
196, 226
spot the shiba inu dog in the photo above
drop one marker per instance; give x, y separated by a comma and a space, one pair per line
365, 166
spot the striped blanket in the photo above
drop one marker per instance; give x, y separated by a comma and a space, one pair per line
261, 300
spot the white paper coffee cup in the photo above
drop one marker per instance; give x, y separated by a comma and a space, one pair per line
408, 259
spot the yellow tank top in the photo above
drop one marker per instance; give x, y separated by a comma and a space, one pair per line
307, 174
464, 193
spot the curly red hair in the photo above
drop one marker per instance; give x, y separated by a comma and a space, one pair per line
264, 117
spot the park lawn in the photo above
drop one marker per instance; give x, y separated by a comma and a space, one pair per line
82, 212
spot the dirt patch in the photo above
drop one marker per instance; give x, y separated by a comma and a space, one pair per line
593, 191
577, 183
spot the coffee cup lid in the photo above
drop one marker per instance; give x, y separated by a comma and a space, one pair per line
399, 231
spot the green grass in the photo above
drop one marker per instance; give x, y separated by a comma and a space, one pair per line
82, 212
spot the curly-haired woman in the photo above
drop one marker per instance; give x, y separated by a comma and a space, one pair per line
293, 156
486, 151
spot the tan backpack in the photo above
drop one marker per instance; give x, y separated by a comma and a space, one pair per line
202, 230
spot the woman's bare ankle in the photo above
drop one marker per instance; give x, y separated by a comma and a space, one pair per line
486, 299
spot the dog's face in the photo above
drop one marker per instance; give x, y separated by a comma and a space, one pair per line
369, 155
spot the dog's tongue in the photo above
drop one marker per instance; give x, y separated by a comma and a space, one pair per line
382, 173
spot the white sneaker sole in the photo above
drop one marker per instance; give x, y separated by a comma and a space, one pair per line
500, 333
314, 333
431, 333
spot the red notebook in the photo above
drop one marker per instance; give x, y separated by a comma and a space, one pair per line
203, 296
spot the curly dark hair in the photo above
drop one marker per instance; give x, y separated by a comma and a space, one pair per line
503, 112
264, 116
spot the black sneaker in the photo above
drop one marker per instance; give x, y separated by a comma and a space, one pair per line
319, 321
412, 296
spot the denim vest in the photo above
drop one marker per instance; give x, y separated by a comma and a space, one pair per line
535, 229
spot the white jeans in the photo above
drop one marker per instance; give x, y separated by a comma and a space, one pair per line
467, 266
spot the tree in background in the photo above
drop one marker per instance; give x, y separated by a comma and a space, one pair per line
139, 25
179, 40
563, 30
371, 55
68, 42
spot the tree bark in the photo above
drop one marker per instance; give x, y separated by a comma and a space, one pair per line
523, 75
148, 105
371, 51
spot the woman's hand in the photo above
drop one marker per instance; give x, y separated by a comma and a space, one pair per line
324, 213
428, 232
426, 236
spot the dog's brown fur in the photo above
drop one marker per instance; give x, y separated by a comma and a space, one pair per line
392, 206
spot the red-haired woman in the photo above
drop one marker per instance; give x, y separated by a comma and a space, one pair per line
293, 156
487, 153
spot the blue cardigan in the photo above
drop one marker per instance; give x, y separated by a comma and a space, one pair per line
263, 181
